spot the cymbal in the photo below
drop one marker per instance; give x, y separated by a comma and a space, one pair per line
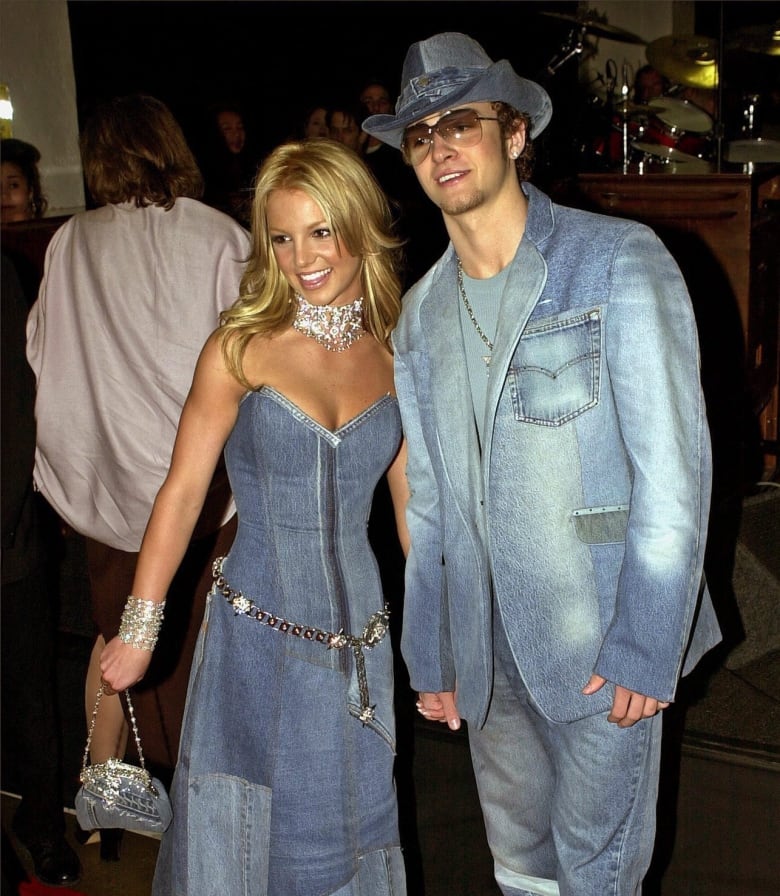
689, 60
764, 39
600, 29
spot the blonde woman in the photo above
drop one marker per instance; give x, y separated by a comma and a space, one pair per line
284, 782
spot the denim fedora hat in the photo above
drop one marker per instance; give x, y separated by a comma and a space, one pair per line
451, 69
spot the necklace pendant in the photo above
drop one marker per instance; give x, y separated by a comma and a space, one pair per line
486, 359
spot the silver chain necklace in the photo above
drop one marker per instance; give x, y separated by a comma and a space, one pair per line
336, 327
472, 317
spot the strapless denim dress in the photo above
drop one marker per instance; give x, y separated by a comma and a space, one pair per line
284, 781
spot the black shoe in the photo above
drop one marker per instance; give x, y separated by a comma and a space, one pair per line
54, 862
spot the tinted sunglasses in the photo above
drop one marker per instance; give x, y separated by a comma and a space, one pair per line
459, 128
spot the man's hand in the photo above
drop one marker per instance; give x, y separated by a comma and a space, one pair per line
439, 708
628, 707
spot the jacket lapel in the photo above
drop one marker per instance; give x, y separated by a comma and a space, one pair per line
455, 424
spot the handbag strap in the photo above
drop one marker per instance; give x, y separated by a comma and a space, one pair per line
92, 729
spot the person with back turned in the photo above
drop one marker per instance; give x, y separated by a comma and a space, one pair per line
130, 291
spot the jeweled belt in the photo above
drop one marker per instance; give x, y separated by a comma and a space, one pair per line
373, 633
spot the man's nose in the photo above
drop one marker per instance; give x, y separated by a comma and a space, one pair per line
440, 149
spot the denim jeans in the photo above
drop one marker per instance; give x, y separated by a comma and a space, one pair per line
569, 807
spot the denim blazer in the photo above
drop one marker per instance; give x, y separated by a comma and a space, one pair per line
582, 519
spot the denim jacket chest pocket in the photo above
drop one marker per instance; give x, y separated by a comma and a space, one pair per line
554, 374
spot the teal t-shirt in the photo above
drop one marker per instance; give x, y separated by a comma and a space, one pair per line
484, 296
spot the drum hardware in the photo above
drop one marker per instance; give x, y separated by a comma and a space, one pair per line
684, 130
750, 127
575, 41
613, 144
689, 60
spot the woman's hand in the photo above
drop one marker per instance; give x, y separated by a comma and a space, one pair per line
441, 707
122, 665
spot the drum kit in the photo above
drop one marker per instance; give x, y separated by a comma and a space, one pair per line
684, 129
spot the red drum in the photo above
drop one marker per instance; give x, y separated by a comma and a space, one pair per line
661, 134
699, 145
680, 126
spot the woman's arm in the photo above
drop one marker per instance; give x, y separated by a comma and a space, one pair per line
207, 419
399, 492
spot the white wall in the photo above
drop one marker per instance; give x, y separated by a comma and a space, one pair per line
37, 65
648, 19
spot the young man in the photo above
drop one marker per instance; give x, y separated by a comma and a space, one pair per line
559, 465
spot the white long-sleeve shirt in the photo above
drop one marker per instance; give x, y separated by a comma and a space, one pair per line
128, 298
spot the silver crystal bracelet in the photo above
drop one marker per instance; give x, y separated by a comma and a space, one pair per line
141, 621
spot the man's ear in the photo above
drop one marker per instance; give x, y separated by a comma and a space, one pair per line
517, 140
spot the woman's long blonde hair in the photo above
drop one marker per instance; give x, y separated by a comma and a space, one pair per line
360, 219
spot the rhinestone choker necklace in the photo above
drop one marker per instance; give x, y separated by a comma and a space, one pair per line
336, 327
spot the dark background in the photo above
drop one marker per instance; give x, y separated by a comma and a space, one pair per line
278, 58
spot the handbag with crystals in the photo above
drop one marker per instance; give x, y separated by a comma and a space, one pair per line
116, 794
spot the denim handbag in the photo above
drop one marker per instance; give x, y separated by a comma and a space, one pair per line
116, 794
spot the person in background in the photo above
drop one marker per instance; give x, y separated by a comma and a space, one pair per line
20, 182
285, 778
230, 123
375, 100
547, 369
418, 221
31, 735
383, 160
229, 164
314, 123
649, 84
129, 292
344, 126
23, 200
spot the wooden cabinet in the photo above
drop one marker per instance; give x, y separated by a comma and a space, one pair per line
724, 232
